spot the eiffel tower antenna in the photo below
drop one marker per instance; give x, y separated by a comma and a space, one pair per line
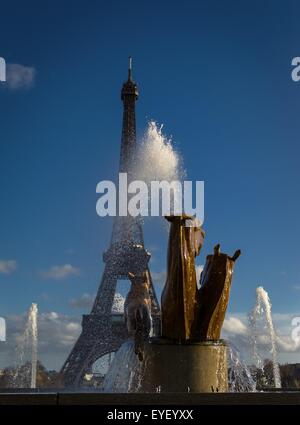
129, 68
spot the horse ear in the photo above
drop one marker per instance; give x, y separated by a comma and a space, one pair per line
236, 255
131, 275
217, 249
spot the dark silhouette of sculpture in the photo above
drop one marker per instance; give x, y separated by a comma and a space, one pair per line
137, 309
179, 298
189, 313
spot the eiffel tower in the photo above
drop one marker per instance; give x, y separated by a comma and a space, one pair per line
103, 331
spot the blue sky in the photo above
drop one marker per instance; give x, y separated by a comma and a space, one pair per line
216, 74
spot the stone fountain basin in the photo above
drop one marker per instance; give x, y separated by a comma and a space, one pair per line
194, 367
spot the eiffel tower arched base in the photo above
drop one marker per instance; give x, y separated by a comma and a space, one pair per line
100, 335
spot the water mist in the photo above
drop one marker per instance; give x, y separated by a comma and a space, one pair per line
263, 309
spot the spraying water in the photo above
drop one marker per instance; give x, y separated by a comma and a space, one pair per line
239, 376
32, 325
263, 309
124, 373
157, 160
27, 348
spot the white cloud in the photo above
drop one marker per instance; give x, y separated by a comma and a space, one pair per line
287, 345
7, 266
236, 330
57, 333
57, 330
19, 76
234, 326
59, 272
84, 301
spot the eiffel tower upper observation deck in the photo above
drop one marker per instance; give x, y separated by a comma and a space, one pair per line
103, 331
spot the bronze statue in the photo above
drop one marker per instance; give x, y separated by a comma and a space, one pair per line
189, 313
215, 284
179, 298
137, 310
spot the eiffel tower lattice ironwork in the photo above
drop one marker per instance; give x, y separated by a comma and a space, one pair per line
103, 331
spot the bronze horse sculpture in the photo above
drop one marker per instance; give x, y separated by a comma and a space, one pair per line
215, 285
190, 313
179, 298
137, 309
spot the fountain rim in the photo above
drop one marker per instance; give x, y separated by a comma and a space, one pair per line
166, 341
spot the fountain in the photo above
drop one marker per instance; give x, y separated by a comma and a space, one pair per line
239, 376
186, 353
188, 356
32, 324
28, 345
124, 372
263, 309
